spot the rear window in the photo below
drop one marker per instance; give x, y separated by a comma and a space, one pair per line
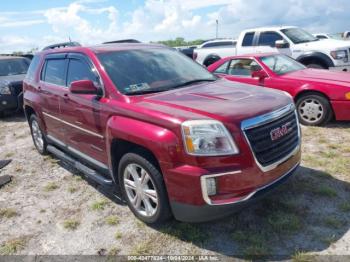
33, 67
9, 67
269, 38
55, 72
248, 39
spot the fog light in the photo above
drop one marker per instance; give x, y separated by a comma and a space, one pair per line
211, 186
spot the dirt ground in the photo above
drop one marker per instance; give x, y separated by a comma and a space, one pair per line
49, 209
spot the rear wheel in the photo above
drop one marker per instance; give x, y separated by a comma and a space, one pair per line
211, 60
316, 66
143, 188
37, 135
314, 109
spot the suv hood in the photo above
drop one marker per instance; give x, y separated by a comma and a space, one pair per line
321, 76
11, 79
222, 100
325, 44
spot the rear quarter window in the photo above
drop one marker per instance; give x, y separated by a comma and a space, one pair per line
248, 39
54, 72
33, 68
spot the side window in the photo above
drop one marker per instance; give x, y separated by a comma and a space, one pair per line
220, 44
222, 69
248, 39
55, 72
269, 38
243, 67
33, 67
79, 70
321, 37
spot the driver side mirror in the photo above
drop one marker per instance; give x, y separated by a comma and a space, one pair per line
260, 74
281, 44
84, 87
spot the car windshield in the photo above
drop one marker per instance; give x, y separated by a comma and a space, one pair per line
10, 67
152, 70
298, 36
281, 64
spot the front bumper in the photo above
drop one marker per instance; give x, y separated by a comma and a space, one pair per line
192, 213
8, 103
341, 110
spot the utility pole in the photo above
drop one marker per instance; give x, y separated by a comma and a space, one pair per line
217, 28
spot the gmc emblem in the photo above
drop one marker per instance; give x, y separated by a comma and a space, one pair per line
279, 132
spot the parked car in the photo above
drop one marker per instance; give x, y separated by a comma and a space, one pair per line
175, 138
346, 35
328, 36
211, 51
293, 41
187, 50
318, 94
12, 72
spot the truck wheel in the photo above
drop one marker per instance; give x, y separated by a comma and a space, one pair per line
316, 66
211, 60
143, 188
314, 110
37, 135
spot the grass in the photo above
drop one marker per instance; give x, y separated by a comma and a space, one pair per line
99, 204
112, 220
113, 251
253, 244
143, 248
302, 257
284, 222
118, 235
72, 189
8, 213
13, 246
71, 224
325, 191
51, 186
187, 232
9, 154
333, 222
344, 207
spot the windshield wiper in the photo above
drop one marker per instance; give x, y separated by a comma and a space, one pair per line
143, 92
193, 82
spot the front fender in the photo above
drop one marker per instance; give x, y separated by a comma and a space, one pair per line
162, 142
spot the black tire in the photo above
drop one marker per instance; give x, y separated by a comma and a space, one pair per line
163, 212
211, 60
321, 102
42, 150
316, 66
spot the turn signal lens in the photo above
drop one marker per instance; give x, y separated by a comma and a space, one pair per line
347, 96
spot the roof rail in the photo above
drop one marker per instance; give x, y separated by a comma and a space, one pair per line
62, 45
122, 41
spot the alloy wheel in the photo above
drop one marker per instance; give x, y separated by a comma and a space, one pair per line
311, 110
140, 190
37, 135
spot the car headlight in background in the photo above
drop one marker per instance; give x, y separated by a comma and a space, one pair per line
5, 90
207, 138
340, 55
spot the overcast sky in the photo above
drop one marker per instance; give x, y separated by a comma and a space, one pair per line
36, 23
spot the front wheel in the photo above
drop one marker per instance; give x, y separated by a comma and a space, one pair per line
37, 135
143, 188
314, 110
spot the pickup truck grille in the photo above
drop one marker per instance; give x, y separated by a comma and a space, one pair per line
274, 140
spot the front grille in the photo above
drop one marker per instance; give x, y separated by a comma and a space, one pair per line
268, 150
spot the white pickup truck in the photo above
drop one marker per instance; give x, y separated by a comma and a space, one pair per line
289, 40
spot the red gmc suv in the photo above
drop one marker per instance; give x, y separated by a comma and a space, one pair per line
176, 139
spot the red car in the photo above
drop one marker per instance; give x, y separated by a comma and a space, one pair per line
319, 95
176, 139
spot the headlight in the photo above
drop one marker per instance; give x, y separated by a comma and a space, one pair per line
5, 90
341, 54
207, 138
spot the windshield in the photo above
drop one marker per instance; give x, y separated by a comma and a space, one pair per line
298, 36
151, 70
281, 64
10, 67
336, 36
